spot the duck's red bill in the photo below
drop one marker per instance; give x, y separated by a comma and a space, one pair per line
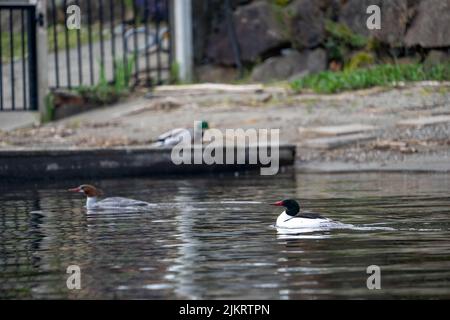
278, 204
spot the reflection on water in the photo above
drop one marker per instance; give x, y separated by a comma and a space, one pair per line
213, 237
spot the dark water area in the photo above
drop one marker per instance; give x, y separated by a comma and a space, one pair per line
212, 237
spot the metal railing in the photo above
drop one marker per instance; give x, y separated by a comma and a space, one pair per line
18, 78
115, 36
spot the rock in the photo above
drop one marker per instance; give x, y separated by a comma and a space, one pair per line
305, 24
258, 31
291, 63
339, 130
65, 97
330, 8
394, 19
215, 74
354, 15
436, 57
337, 142
424, 121
431, 26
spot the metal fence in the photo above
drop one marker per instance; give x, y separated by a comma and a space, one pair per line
118, 40
116, 37
18, 78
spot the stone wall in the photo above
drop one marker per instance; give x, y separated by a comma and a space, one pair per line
279, 39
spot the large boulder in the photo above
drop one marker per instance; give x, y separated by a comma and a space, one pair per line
436, 57
306, 23
290, 63
216, 74
394, 19
353, 13
431, 26
259, 32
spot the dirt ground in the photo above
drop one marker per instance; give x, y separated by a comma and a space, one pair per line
140, 119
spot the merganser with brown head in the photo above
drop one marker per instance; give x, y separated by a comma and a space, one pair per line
92, 199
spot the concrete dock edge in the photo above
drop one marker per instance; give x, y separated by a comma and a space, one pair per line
112, 162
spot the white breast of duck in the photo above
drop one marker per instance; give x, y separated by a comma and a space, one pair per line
286, 221
291, 218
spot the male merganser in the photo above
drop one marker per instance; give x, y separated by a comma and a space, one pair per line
291, 219
175, 136
92, 202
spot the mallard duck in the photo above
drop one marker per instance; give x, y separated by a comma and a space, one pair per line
175, 136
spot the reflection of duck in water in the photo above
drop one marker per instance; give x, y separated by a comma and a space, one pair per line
291, 218
175, 136
92, 194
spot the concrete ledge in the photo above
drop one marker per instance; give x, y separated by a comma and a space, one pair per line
11, 120
425, 164
113, 162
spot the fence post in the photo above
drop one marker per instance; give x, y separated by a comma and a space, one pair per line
183, 38
42, 57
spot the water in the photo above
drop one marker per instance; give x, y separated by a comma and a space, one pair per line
212, 237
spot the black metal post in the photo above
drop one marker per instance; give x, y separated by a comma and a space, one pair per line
32, 58
24, 71
91, 62
66, 36
124, 45
136, 56
113, 39
11, 54
1, 64
102, 47
55, 42
147, 52
80, 61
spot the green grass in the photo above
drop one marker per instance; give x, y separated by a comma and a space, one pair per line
380, 75
344, 35
17, 45
105, 92
341, 41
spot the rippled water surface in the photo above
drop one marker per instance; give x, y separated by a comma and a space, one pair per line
212, 237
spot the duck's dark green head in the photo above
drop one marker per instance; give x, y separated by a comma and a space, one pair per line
204, 125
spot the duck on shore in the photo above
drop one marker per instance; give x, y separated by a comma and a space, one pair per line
175, 136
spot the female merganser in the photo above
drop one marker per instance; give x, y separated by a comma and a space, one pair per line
92, 202
291, 219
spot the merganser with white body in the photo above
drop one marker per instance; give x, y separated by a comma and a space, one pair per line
291, 218
92, 202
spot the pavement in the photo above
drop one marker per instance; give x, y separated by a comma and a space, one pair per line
13, 120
